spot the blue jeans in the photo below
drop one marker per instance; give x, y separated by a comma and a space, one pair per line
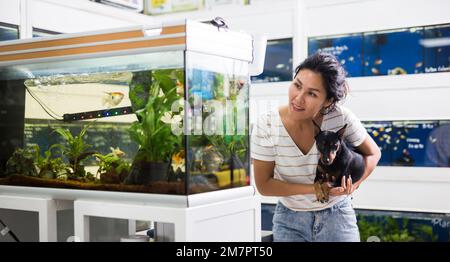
334, 224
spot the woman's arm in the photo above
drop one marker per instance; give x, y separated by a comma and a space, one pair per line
372, 154
268, 186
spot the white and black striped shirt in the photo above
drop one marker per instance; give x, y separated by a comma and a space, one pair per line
270, 141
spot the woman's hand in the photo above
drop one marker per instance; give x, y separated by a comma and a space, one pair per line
346, 188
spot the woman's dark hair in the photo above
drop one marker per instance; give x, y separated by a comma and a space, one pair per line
333, 75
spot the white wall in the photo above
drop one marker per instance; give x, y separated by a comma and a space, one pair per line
9, 12
66, 16
271, 18
71, 16
339, 17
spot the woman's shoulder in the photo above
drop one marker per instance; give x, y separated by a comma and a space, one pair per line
349, 115
337, 118
343, 111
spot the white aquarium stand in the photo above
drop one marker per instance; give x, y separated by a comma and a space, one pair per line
226, 215
46, 208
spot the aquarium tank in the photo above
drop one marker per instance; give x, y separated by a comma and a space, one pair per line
414, 143
146, 110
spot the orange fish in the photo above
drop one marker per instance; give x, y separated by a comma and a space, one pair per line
178, 161
378, 61
111, 99
180, 88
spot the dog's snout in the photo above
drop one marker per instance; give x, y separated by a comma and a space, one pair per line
325, 160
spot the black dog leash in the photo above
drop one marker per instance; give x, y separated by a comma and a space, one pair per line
6, 230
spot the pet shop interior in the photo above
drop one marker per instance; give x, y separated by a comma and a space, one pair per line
131, 121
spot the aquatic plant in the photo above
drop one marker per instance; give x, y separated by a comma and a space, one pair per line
75, 149
51, 167
23, 162
156, 98
113, 169
389, 229
153, 131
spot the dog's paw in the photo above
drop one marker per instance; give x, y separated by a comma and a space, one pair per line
325, 192
318, 191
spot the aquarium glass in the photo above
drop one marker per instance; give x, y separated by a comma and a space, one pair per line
217, 122
93, 123
8, 32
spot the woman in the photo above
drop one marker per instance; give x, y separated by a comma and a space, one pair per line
285, 156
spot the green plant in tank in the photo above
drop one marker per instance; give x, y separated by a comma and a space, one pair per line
112, 168
389, 229
23, 162
157, 99
154, 98
424, 233
76, 150
50, 167
29, 162
398, 232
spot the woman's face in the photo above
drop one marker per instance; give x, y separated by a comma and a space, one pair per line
307, 95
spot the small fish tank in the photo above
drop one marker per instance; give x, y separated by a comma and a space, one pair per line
160, 109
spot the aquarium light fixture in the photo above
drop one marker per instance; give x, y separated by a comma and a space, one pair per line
98, 114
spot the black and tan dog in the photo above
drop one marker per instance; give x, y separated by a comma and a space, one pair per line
336, 160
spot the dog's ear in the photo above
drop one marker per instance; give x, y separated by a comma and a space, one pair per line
317, 129
341, 131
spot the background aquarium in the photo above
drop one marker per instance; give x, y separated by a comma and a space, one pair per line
277, 63
388, 226
412, 143
381, 132
411, 50
169, 122
437, 48
346, 48
393, 53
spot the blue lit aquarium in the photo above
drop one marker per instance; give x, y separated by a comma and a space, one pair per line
278, 62
143, 110
393, 53
437, 48
381, 133
423, 143
347, 48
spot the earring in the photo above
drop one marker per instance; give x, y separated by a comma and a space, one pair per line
327, 110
